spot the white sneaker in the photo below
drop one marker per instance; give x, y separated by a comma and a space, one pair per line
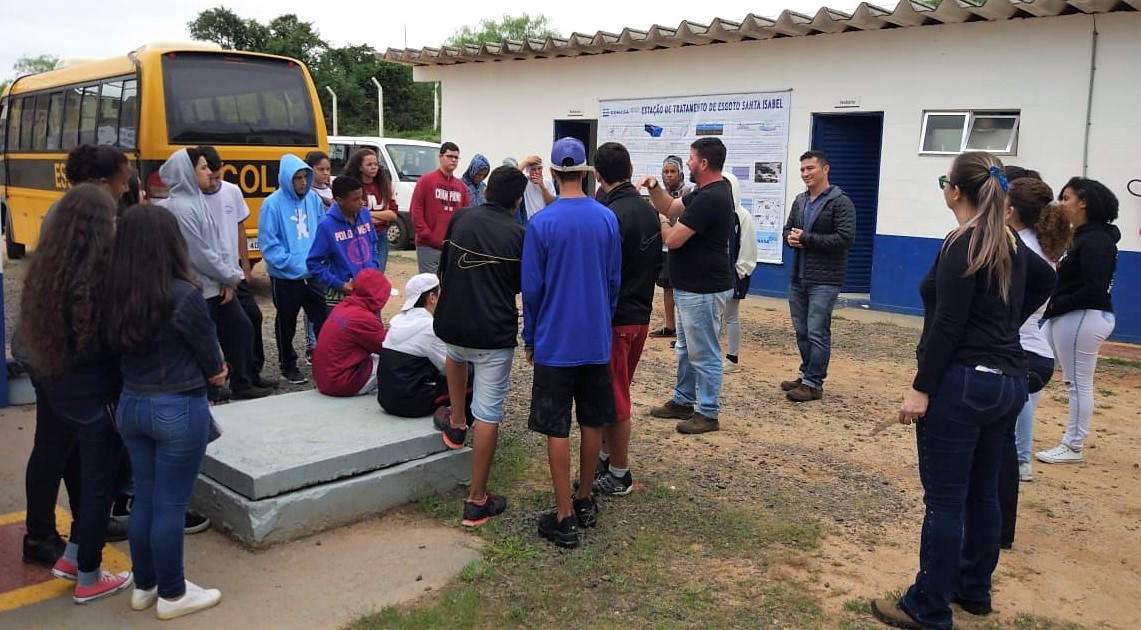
142, 600
194, 600
1025, 472
1060, 454
728, 367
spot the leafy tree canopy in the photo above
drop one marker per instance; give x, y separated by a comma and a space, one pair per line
516, 28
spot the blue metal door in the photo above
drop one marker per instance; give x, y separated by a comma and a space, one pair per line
853, 143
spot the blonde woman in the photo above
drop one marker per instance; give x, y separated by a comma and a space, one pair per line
968, 389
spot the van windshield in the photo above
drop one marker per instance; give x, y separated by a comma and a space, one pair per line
412, 161
231, 99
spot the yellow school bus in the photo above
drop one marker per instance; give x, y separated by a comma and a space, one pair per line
252, 108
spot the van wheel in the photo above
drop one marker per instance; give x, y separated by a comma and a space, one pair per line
15, 250
399, 235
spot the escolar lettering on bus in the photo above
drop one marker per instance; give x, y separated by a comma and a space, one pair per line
253, 179
60, 169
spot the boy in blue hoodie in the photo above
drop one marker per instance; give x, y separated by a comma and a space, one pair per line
345, 243
287, 226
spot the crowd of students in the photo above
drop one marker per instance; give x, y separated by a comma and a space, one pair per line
132, 316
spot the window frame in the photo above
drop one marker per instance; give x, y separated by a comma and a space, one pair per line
970, 117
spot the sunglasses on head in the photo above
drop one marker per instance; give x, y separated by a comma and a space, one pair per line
944, 182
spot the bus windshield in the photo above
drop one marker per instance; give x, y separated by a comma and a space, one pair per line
412, 161
228, 99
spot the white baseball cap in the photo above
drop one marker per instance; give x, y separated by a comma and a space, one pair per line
418, 285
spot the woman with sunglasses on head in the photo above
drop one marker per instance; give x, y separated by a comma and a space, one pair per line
158, 320
1079, 317
968, 389
77, 376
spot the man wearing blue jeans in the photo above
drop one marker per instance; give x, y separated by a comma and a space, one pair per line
821, 228
702, 276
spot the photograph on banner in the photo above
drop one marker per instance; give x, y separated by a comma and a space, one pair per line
753, 126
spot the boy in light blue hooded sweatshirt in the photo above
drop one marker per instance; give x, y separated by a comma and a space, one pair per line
287, 226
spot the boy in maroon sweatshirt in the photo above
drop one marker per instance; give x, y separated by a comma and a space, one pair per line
436, 198
348, 350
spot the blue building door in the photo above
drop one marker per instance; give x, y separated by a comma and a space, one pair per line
853, 143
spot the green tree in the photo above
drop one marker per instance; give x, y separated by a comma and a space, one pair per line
510, 27
31, 65
223, 27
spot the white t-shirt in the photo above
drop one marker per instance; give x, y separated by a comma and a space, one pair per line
326, 193
230, 209
411, 332
533, 196
1032, 337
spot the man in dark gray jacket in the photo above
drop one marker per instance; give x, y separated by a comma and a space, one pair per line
821, 229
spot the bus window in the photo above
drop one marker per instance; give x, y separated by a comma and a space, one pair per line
3, 122
237, 101
88, 112
107, 131
40, 123
71, 119
55, 120
16, 106
129, 114
26, 120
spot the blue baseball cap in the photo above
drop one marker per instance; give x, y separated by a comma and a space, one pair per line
569, 155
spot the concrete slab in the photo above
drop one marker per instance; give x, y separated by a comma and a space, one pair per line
282, 443
259, 523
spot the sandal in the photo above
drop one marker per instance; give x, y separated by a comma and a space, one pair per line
664, 332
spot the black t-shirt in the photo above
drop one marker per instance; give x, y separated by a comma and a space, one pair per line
702, 265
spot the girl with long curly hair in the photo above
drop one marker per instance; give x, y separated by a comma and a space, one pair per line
379, 194
158, 320
60, 329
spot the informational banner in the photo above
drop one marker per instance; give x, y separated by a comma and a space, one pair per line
753, 126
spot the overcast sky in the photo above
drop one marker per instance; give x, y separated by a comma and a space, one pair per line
80, 29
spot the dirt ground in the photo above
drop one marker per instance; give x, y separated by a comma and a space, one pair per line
1077, 555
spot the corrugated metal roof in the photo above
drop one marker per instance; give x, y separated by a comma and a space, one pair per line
866, 17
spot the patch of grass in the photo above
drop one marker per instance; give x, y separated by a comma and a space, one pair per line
1118, 362
1106, 392
667, 556
860, 606
1026, 621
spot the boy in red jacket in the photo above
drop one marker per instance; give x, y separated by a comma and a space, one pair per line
348, 349
437, 196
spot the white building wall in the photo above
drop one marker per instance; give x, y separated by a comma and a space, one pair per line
1038, 66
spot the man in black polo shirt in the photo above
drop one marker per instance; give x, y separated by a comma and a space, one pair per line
703, 278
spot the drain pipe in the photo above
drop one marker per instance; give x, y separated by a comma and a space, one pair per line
1089, 97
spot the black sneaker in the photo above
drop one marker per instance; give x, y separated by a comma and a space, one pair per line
562, 533
116, 530
453, 436
263, 382
218, 394
43, 552
476, 514
601, 468
294, 375
586, 511
251, 393
195, 523
608, 484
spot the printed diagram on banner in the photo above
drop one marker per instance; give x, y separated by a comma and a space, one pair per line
753, 126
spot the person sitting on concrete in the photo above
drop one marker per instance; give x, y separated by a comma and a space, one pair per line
348, 350
412, 382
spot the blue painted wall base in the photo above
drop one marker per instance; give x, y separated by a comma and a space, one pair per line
900, 262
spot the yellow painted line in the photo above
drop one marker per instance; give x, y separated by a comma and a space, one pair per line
113, 561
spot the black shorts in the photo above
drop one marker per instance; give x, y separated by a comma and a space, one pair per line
554, 388
663, 280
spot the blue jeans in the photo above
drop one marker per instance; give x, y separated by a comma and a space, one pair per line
382, 250
699, 350
166, 438
960, 443
491, 371
811, 308
100, 450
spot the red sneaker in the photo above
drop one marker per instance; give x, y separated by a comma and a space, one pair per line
65, 569
107, 585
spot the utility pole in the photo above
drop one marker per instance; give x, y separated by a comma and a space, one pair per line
334, 95
379, 107
436, 106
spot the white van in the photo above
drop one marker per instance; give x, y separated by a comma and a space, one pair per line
405, 160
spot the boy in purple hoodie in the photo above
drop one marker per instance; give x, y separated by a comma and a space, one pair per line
345, 241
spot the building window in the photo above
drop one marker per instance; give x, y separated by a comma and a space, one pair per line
951, 133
